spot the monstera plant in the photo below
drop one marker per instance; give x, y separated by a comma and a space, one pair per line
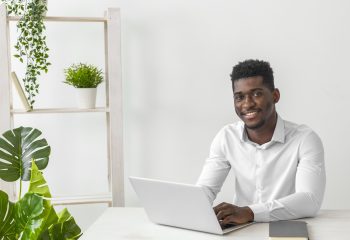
32, 217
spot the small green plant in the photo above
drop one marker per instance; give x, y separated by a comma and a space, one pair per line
32, 217
83, 76
31, 48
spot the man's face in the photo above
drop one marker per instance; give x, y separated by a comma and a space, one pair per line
254, 102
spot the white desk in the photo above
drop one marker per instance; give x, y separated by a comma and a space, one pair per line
132, 224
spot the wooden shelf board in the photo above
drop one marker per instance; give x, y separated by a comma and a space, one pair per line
83, 199
59, 110
65, 19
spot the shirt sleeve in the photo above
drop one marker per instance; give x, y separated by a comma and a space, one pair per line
309, 186
216, 168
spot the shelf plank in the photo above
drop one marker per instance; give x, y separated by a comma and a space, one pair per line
65, 19
5, 86
82, 199
59, 110
115, 101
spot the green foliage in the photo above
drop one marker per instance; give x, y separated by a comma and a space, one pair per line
31, 48
83, 76
27, 212
7, 221
38, 184
17, 148
32, 217
65, 228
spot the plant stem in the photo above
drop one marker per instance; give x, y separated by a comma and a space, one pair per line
20, 189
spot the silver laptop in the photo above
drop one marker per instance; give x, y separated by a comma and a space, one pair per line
178, 205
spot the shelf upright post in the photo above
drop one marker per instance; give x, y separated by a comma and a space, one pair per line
5, 96
115, 105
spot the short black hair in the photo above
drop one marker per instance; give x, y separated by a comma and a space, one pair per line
252, 68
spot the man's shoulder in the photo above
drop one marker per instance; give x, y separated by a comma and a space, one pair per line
232, 131
292, 129
235, 127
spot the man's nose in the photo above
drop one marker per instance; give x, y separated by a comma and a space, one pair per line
248, 101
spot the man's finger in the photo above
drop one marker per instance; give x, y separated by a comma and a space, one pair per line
222, 214
219, 207
229, 220
223, 205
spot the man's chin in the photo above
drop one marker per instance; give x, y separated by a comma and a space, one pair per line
254, 126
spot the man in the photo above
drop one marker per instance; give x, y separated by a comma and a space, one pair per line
278, 166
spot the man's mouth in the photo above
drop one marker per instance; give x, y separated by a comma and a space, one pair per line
250, 114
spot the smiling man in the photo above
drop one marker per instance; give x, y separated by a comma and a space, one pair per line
278, 166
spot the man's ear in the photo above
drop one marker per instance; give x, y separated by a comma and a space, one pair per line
276, 95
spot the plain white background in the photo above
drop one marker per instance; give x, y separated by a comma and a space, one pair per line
177, 56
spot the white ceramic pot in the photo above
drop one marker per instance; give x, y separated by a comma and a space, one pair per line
86, 97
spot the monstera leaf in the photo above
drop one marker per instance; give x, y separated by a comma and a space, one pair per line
38, 183
7, 221
66, 228
27, 212
17, 148
22, 156
49, 220
39, 186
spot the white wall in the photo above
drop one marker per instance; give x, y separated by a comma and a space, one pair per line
177, 57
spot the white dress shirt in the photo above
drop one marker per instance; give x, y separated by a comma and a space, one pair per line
281, 179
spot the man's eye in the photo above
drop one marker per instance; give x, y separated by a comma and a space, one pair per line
257, 94
238, 97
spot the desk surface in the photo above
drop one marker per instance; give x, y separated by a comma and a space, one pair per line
132, 224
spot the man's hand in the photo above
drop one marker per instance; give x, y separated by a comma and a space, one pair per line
231, 214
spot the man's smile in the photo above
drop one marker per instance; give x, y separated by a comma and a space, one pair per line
250, 114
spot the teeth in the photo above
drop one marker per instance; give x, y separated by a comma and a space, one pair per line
250, 114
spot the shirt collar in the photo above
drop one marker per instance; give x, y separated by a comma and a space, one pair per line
278, 134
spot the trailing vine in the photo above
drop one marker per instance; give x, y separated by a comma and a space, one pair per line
31, 48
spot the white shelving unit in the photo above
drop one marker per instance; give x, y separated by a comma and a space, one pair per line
112, 111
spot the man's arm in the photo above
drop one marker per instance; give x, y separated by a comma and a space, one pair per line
215, 170
213, 175
310, 184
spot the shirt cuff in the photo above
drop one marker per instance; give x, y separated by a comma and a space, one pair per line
261, 212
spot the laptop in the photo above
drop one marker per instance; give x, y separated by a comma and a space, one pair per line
178, 205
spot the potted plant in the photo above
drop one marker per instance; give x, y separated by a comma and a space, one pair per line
31, 48
85, 78
22, 156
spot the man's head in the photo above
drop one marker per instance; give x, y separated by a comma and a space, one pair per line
255, 94
253, 68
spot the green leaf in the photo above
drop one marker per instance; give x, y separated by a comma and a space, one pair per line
17, 148
27, 212
7, 221
50, 219
31, 38
83, 76
38, 183
66, 228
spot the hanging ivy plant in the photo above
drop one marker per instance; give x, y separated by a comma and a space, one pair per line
31, 48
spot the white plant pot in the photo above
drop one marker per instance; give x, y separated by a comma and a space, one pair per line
86, 97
